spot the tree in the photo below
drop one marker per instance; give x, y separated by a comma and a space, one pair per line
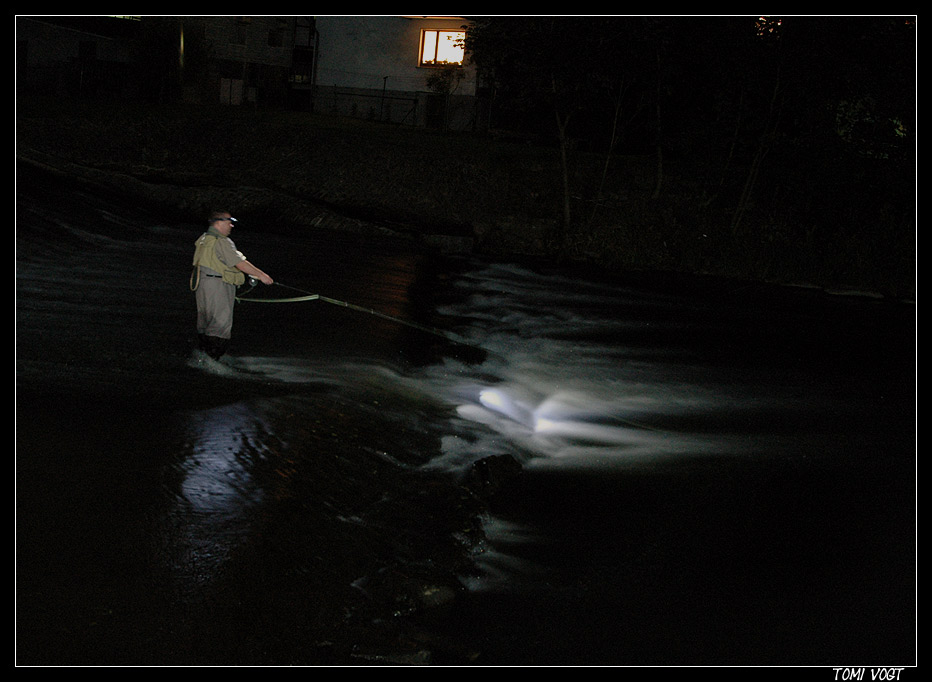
778, 128
570, 70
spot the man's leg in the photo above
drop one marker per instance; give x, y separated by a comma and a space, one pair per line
215, 300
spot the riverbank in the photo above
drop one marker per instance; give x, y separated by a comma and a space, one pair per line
458, 193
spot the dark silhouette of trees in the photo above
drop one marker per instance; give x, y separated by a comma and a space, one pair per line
555, 77
803, 126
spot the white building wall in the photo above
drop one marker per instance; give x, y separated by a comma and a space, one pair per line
379, 52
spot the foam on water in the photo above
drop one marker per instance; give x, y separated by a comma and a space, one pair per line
558, 384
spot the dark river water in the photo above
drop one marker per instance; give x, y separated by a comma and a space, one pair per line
714, 473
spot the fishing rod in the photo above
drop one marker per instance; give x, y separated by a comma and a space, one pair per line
308, 296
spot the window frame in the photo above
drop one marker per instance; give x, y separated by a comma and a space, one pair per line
434, 64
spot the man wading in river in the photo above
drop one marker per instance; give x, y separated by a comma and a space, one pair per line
218, 269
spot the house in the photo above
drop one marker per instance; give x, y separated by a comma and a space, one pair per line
76, 56
401, 69
265, 61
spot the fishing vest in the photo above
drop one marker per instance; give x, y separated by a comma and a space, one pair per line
205, 255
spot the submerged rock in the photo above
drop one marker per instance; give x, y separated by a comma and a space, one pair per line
489, 475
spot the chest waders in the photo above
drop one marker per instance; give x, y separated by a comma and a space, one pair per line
214, 302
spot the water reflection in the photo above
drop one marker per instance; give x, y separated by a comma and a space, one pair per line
217, 475
217, 492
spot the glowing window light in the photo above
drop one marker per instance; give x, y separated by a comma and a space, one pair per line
442, 47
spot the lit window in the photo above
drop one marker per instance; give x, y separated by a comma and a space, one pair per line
439, 48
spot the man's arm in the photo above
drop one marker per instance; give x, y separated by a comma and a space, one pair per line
251, 270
